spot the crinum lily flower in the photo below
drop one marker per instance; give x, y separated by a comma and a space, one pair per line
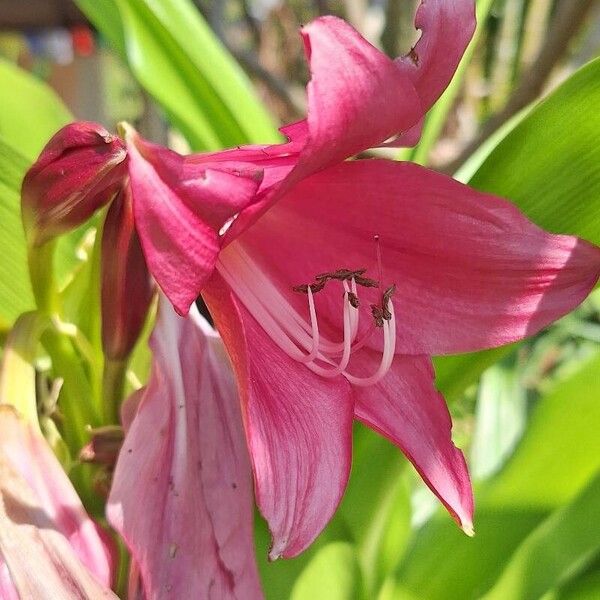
333, 286
332, 282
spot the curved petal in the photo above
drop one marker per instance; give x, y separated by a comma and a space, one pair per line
406, 408
298, 426
470, 270
181, 495
447, 28
355, 102
179, 246
357, 96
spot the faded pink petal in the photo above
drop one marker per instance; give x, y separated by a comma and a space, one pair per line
298, 426
446, 30
470, 270
78, 171
182, 495
50, 545
179, 236
406, 408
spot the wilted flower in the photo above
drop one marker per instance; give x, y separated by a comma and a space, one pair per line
49, 546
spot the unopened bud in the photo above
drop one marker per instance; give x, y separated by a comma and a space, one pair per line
80, 169
126, 285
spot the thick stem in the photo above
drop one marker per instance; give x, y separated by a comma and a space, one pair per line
40, 260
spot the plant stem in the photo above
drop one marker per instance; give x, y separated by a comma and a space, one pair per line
113, 384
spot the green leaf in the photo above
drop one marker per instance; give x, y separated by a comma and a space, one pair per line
30, 113
180, 62
559, 547
16, 296
548, 165
558, 457
561, 451
332, 574
105, 17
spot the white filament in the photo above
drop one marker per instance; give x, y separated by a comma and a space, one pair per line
298, 338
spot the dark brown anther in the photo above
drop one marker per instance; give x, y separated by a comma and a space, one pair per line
317, 287
353, 300
302, 289
377, 313
387, 296
366, 282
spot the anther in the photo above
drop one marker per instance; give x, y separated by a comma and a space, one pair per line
353, 300
366, 282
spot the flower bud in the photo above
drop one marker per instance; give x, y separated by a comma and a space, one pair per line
79, 170
126, 285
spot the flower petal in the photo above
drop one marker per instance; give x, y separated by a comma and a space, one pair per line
298, 426
356, 101
447, 28
406, 408
51, 546
179, 246
470, 270
182, 495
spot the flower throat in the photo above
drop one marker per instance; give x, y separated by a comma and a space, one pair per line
301, 338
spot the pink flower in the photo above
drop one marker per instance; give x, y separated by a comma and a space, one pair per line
333, 282
182, 490
50, 547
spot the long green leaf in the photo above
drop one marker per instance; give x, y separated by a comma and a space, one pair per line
178, 59
16, 296
560, 546
558, 456
30, 111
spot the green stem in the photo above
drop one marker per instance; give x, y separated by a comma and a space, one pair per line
40, 260
77, 395
113, 385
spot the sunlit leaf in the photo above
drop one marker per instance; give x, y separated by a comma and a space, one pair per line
30, 111
560, 546
332, 574
16, 296
179, 60
558, 456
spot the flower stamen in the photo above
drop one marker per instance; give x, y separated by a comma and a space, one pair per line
301, 338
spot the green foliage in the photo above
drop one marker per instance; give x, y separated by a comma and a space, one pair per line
180, 62
30, 111
15, 290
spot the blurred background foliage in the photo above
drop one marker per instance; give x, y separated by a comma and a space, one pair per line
521, 119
